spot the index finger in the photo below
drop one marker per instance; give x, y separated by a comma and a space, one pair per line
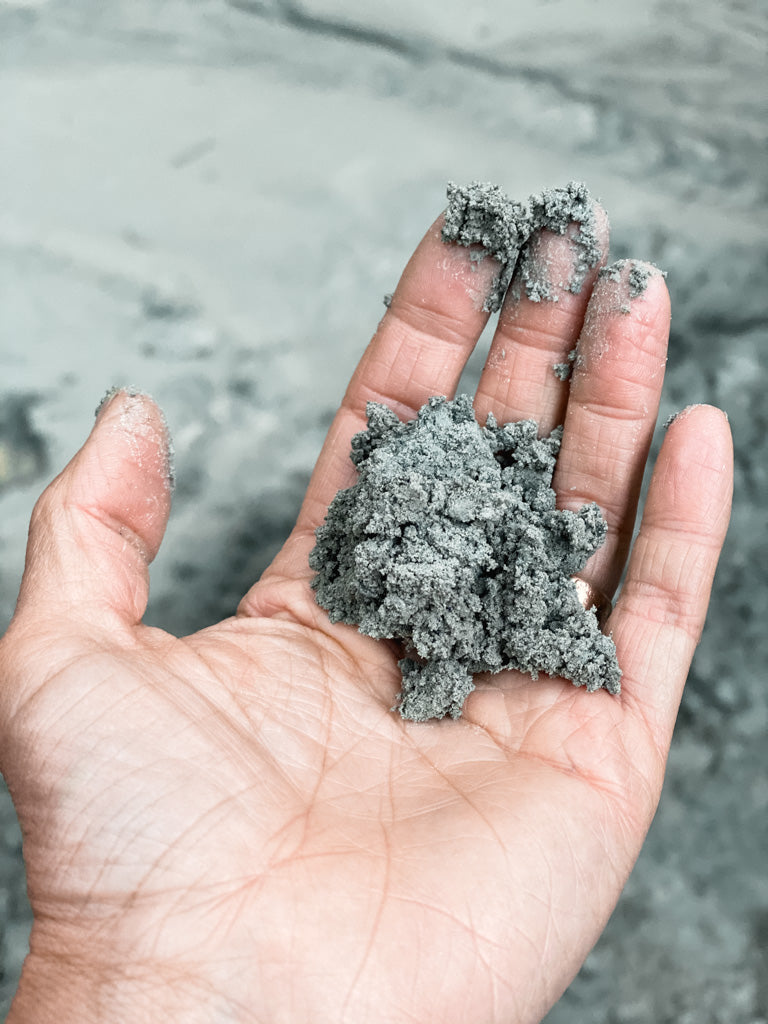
420, 347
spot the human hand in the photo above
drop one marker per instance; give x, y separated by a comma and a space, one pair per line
235, 826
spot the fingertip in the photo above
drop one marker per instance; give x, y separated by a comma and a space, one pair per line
704, 429
709, 417
650, 301
635, 280
602, 228
692, 483
99, 524
125, 469
137, 415
627, 318
650, 281
699, 442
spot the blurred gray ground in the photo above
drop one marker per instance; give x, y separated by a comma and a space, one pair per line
209, 199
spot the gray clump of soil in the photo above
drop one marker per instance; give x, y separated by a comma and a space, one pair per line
638, 277
564, 371
450, 542
483, 214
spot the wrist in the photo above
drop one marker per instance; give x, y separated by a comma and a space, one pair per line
68, 989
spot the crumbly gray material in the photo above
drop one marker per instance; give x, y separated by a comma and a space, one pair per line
450, 542
639, 276
564, 371
483, 214
637, 279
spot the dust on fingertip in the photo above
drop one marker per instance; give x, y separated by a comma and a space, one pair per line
671, 419
170, 451
117, 389
683, 413
639, 274
564, 371
133, 420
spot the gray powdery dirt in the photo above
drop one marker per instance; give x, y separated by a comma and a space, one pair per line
639, 275
637, 281
482, 214
450, 541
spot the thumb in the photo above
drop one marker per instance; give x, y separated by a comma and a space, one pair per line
99, 524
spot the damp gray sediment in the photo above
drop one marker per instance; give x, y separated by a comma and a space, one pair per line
639, 275
450, 542
564, 371
483, 214
637, 279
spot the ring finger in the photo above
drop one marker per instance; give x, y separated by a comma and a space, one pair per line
612, 407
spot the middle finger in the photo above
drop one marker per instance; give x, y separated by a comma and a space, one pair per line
534, 334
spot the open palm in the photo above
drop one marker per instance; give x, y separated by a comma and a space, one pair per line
235, 826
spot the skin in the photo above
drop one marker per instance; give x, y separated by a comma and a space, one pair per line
233, 826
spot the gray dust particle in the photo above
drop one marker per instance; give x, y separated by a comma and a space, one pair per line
483, 214
450, 541
563, 371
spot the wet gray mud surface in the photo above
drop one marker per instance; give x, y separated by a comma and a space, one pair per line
208, 200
